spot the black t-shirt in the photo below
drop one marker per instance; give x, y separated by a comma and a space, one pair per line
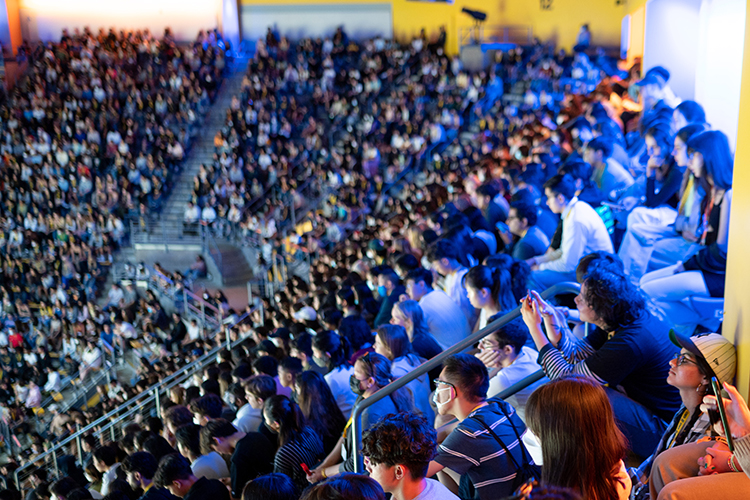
637, 358
204, 489
253, 456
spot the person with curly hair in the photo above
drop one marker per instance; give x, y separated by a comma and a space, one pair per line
398, 451
628, 349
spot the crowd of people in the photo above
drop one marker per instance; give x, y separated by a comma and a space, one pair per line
594, 175
91, 138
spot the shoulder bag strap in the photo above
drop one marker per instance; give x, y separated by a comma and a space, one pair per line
500, 441
525, 452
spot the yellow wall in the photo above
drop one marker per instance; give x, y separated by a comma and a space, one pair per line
637, 33
737, 293
560, 24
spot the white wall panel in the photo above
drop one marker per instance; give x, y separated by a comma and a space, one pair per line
300, 21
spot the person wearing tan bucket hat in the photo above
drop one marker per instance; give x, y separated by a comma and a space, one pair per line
675, 461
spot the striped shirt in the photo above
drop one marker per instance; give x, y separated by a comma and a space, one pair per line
306, 448
635, 358
470, 449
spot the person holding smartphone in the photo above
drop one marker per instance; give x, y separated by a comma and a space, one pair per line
701, 358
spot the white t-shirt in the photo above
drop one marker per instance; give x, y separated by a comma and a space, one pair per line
248, 419
435, 491
210, 466
338, 381
445, 319
523, 366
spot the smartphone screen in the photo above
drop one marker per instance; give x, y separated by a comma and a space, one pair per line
722, 413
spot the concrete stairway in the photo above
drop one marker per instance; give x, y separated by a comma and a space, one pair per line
170, 224
234, 266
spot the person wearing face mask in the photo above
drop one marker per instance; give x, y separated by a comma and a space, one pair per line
332, 352
371, 372
486, 460
389, 290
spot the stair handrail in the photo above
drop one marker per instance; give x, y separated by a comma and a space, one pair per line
363, 404
151, 392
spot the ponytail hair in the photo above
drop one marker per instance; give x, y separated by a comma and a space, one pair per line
287, 414
335, 345
497, 280
395, 338
379, 368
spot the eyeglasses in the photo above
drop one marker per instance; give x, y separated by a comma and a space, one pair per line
437, 382
682, 358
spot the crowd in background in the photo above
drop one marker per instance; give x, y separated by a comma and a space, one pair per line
91, 138
593, 174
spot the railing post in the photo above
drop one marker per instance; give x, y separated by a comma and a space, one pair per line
78, 443
16, 480
184, 301
229, 338
54, 460
157, 402
112, 436
203, 312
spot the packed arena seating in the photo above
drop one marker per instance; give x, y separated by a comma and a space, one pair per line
454, 197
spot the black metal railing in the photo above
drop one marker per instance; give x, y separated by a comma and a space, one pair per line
438, 360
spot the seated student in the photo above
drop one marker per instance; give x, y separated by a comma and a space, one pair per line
630, 349
139, 469
105, 461
258, 388
509, 361
345, 487
443, 256
174, 474
319, 407
389, 289
712, 163
583, 232
680, 214
271, 487
582, 447
470, 450
608, 175
397, 451
392, 342
288, 370
207, 408
211, 466
586, 189
680, 474
531, 240
332, 352
371, 373
298, 443
701, 357
489, 291
252, 454
445, 320
409, 314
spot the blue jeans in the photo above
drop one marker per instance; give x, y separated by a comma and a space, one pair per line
642, 428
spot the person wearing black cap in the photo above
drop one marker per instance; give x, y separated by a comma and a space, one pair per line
701, 358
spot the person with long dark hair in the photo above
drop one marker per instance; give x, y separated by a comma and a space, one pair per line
271, 487
630, 348
582, 447
489, 290
371, 373
319, 408
332, 352
298, 443
346, 487
392, 342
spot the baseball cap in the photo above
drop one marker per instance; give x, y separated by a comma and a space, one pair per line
713, 349
658, 75
307, 313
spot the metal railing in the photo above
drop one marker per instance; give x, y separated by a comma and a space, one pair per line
149, 400
474, 35
437, 361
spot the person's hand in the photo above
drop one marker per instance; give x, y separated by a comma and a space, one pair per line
654, 163
628, 203
530, 312
531, 262
316, 475
489, 357
545, 309
715, 461
738, 413
678, 268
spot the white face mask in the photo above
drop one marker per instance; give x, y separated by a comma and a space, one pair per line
435, 397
